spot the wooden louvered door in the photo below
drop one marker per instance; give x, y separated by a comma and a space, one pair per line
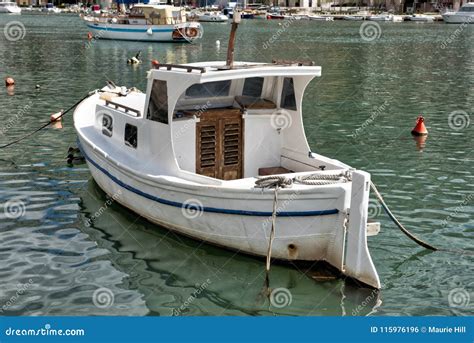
219, 144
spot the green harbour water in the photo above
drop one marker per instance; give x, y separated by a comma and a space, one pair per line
361, 111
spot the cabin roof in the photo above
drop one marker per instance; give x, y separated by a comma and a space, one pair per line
216, 70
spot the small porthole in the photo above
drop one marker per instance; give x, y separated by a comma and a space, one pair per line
107, 125
131, 138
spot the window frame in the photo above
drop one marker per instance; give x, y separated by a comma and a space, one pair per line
284, 95
126, 138
203, 96
106, 131
156, 105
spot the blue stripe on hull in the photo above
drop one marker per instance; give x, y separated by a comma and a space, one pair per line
206, 209
117, 29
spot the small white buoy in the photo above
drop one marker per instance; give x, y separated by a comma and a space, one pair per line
149, 31
56, 116
218, 42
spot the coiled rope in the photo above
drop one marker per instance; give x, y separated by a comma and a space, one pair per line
318, 179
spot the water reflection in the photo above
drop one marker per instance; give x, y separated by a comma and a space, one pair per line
170, 270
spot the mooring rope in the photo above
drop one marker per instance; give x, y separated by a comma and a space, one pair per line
317, 179
48, 123
395, 220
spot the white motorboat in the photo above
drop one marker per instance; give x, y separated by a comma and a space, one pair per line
155, 23
320, 18
381, 17
9, 7
212, 17
354, 17
421, 18
198, 152
464, 15
50, 8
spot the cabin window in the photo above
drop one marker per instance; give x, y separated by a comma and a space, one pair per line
107, 125
131, 138
288, 99
158, 106
209, 89
253, 87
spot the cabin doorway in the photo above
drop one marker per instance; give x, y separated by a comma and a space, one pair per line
219, 146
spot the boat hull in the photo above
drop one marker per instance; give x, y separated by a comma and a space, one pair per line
458, 19
10, 9
148, 33
311, 228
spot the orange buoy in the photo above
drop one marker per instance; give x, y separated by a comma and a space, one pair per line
9, 81
89, 35
56, 116
155, 62
419, 129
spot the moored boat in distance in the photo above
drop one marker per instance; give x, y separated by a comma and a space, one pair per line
421, 18
198, 153
464, 15
50, 8
381, 17
9, 7
354, 17
319, 17
154, 23
212, 17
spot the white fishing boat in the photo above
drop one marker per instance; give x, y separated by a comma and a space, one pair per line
9, 7
217, 151
464, 15
154, 23
213, 17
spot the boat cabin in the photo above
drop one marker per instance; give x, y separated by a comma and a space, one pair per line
156, 15
206, 123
